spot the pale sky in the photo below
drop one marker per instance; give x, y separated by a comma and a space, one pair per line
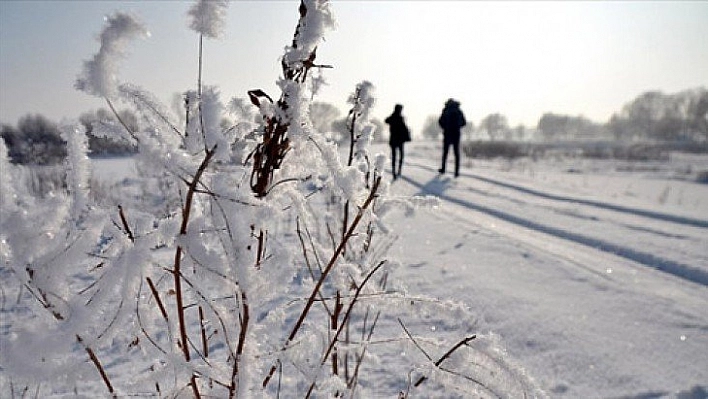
521, 59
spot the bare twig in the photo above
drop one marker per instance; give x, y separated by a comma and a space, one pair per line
347, 314
444, 357
126, 227
447, 355
176, 271
142, 327
244, 320
205, 344
351, 383
199, 92
332, 262
410, 336
195, 387
97, 363
156, 295
121, 121
334, 320
137, 97
322, 299
290, 180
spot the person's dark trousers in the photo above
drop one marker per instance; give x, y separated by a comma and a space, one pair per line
456, 149
394, 150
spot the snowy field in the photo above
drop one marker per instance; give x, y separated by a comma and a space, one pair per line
593, 274
590, 276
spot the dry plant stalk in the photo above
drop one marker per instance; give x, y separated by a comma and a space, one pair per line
325, 273
463, 342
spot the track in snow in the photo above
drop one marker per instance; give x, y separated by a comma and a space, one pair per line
670, 263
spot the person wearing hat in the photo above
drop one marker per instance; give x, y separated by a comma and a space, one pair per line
451, 121
399, 135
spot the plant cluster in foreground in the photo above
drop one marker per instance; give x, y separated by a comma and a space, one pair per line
258, 265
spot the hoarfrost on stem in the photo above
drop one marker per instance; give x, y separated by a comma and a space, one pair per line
79, 166
212, 111
363, 99
98, 77
317, 20
208, 17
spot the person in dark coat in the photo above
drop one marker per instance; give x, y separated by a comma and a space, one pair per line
451, 121
399, 135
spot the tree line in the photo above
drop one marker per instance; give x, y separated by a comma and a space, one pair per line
37, 140
652, 116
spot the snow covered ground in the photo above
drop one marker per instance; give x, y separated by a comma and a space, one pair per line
594, 274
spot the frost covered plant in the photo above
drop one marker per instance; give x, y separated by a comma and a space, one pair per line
265, 274
99, 73
208, 17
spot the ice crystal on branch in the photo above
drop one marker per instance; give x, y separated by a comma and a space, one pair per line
99, 74
363, 99
208, 17
316, 19
78, 165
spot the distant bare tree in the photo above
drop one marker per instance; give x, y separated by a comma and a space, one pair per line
96, 121
323, 115
495, 125
667, 117
36, 140
698, 113
468, 131
555, 126
431, 130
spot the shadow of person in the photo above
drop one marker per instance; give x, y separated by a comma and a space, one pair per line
435, 186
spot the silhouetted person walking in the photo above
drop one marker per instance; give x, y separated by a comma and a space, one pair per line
399, 135
451, 120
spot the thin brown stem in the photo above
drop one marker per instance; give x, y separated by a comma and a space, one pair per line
121, 121
260, 253
126, 227
195, 387
444, 357
334, 326
347, 314
177, 272
353, 302
199, 92
327, 270
322, 299
155, 294
138, 97
244, 318
410, 336
97, 363
202, 325
351, 383
352, 139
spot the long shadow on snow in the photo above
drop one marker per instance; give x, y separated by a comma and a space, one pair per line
438, 187
598, 204
697, 392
